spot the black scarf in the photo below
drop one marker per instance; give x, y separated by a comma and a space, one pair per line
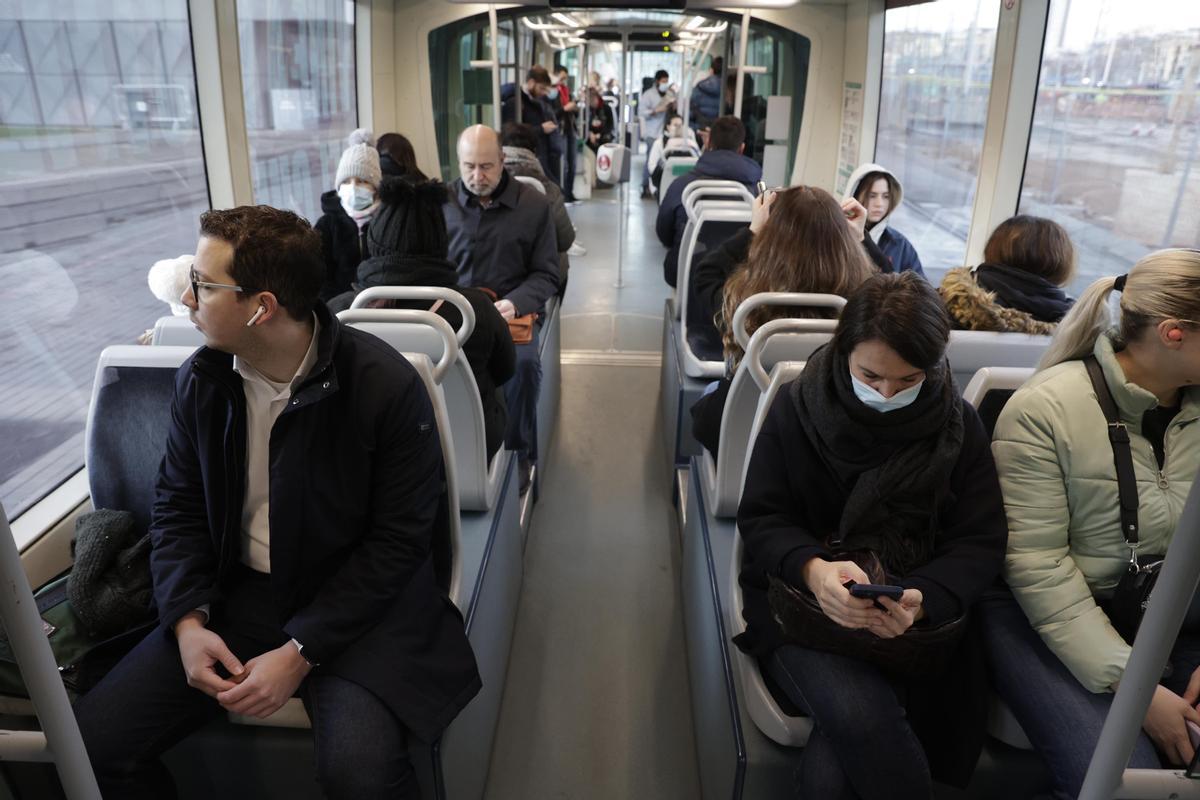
1024, 291
895, 466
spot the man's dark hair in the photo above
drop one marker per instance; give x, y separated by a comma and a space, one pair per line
559, 69
718, 65
658, 76
538, 74
726, 133
903, 311
274, 251
519, 134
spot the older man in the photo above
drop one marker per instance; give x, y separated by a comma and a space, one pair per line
502, 238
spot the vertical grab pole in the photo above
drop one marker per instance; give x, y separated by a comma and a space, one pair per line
494, 25
40, 673
1160, 626
741, 73
623, 193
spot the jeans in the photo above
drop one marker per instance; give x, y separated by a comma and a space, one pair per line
861, 745
521, 395
144, 707
1061, 718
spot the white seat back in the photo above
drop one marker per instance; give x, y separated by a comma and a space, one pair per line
768, 717
971, 351
176, 332
707, 189
477, 481
789, 341
531, 181
705, 212
673, 167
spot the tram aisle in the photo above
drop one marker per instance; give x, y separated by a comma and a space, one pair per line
596, 704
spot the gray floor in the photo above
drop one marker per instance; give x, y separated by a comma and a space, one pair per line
596, 704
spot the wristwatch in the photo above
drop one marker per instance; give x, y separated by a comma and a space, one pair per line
300, 649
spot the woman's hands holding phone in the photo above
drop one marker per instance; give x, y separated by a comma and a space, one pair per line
827, 579
900, 615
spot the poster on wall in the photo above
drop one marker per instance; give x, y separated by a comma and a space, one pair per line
852, 113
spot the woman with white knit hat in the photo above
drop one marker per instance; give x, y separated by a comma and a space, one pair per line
346, 211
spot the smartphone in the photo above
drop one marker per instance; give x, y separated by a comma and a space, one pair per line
762, 188
874, 591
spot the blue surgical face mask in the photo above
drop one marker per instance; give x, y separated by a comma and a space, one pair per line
874, 400
355, 198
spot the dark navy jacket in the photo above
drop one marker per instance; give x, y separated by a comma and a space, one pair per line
508, 247
899, 251
723, 165
356, 486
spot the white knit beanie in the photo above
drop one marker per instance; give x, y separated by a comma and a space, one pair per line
168, 281
359, 160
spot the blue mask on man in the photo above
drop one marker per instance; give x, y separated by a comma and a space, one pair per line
874, 400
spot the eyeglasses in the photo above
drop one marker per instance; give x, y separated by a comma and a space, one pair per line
197, 283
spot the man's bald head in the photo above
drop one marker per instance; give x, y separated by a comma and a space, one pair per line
480, 159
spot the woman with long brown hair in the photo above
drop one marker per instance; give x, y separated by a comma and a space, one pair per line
802, 241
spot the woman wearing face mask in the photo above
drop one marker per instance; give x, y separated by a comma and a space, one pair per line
870, 460
676, 140
346, 210
879, 191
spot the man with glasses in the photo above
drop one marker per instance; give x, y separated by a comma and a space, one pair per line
292, 534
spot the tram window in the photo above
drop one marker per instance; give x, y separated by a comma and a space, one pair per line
301, 103
937, 72
1115, 152
101, 174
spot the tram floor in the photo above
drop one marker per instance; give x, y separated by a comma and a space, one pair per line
596, 703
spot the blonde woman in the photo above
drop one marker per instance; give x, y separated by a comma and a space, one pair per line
1055, 652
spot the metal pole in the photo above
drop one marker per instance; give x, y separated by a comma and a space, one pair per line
494, 24
1160, 627
40, 673
623, 192
741, 73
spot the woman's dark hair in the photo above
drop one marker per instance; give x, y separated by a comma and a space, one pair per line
397, 157
519, 134
903, 311
273, 251
1033, 244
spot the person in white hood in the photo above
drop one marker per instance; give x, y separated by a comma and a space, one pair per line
879, 191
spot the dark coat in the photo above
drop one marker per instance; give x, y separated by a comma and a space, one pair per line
900, 253
489, 349
534, 111
791, 501
706, 101
357, 487
600, 122
343, 246
672, 219
508, 247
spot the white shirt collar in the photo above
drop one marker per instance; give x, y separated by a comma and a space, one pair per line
248, 372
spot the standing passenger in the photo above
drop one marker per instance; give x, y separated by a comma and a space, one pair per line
502, 239
870, 468
346, 210
652, 110
292, 535
1056, 656
880, 193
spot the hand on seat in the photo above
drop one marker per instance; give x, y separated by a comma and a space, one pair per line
199, 650
271, 679
826, 579
1165, 724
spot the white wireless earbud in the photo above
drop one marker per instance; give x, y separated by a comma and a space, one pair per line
261, 310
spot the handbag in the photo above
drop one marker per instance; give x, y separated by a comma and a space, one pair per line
1132, 595
920, 653
519, 328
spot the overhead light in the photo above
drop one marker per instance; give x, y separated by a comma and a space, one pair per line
566, 19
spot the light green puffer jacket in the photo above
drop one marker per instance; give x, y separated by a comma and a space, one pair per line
1060, 495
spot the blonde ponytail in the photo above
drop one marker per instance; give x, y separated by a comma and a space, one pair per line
1162, 285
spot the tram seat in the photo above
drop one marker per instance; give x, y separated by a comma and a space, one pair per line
989, 389
713, 223
706, 190
971, 351
674, 167
550, 395
529, 180
779, 340
176, 331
